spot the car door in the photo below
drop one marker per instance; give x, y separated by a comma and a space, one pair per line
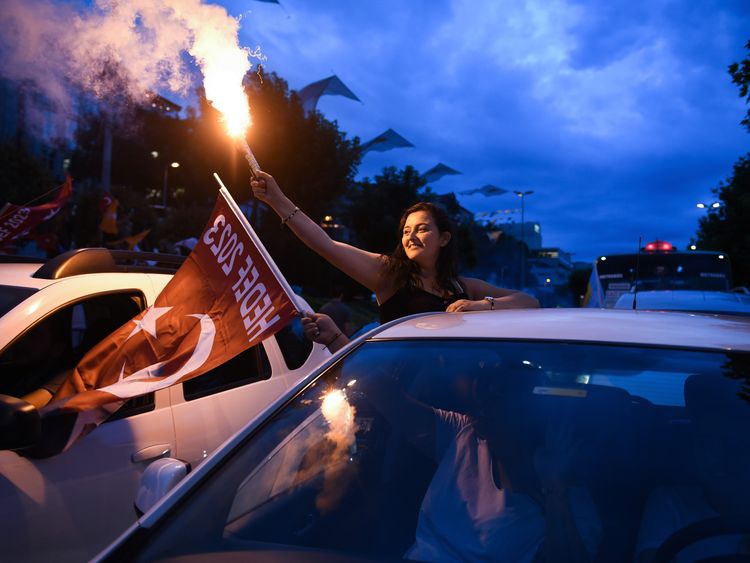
69, 506
210, 408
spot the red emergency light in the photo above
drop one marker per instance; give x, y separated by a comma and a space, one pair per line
662, 245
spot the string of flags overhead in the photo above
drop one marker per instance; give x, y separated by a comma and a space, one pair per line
385, 141
486, 190
331, 86
389, 139
438, 171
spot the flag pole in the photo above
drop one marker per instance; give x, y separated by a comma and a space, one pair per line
258, 244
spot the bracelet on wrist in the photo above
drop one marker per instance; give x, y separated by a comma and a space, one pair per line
491, 301
286, 219
334, 339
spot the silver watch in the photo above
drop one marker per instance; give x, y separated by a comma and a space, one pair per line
492, 302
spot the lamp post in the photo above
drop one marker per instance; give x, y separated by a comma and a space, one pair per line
167, 166
165, 183
523, 195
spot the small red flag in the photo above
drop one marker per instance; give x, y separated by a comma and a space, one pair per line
227, 296
18, 221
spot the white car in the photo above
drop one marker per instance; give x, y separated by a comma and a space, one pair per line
694, 301
482, 436
69, 506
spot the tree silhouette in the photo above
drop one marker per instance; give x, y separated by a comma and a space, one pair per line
740, 73
726, 228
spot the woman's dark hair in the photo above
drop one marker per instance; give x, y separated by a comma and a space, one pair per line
405, 271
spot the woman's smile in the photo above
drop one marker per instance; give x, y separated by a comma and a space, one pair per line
421, 237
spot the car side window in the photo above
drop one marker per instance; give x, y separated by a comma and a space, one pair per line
10, 296
35, 365
250, 366
294, 346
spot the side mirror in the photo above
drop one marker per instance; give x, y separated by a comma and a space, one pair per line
20, 424
157, 480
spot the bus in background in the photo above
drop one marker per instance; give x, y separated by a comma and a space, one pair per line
659, 267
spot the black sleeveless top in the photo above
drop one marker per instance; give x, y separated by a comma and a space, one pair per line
409, 300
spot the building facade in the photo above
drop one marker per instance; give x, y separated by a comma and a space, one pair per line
529, 232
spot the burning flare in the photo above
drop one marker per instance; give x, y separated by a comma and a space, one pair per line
236, 111
224, 65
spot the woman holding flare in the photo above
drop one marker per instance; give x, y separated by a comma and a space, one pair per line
420, 275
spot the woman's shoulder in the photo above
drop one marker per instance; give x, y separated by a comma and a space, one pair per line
386, 284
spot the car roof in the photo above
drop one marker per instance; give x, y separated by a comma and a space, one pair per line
37, 273
687, 300
20, 275
685, 330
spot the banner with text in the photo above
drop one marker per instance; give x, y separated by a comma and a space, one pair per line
18, 221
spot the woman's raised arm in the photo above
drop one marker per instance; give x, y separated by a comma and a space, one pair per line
362, 266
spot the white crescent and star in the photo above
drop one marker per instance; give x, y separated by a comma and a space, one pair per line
148, 321
144, 380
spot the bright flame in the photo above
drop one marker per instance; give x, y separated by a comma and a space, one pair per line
235, 109
224, 64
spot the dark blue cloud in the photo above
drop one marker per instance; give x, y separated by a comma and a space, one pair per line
620, 115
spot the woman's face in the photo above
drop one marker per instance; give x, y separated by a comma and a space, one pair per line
422, 240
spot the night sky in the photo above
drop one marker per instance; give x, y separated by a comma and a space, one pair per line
620, 115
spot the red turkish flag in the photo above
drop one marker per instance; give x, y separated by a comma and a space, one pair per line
17, 221
227, 296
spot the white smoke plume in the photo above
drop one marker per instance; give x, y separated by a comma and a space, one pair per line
120, 47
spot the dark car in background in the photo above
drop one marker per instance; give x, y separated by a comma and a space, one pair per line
659, 266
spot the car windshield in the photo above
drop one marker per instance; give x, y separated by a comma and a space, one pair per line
10, 296
483, 450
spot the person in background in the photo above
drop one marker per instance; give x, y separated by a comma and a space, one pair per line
420, 275
340, 312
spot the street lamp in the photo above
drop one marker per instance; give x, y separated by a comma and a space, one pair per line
714, 205
523, 195
166, 181
165, 184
